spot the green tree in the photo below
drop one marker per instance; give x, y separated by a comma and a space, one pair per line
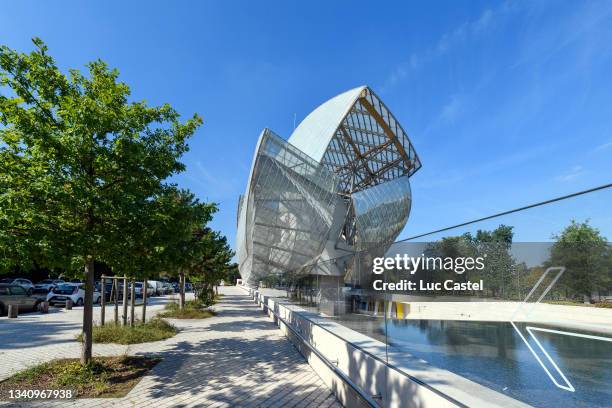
78, 160
212, 265
494, 246
233, 273
159, 242
183, 247
502, 234
586, 255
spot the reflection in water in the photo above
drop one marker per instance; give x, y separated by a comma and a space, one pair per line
492, 354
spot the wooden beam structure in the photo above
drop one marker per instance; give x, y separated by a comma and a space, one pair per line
381, 122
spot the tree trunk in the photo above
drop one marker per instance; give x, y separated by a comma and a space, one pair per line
181, 290
145, 289
88, 312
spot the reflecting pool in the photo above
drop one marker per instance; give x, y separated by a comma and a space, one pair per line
494, 355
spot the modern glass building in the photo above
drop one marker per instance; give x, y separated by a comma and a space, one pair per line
339, 185
321, 206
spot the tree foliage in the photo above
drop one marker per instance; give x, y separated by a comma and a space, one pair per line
84, 170
493, 246
587, 257
80, 160
213, 264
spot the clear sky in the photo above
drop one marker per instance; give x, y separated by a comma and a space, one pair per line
507, 103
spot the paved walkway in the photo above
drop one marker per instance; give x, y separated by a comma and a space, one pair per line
235, 359
35, 337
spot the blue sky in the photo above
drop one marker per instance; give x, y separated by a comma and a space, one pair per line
507, 103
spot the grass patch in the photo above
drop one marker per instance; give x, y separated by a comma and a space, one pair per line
194, 309
604, 305
153, 330
567, 303
103, 377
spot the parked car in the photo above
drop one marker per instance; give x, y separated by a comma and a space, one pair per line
108, 291
24, 283
157, 287
137, 288
176, 287
167, 288
16, 295
72, 291
44, 286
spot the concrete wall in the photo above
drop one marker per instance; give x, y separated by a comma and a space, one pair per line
362, 371
351, 366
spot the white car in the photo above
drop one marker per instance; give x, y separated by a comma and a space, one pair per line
158, 289
47, 284
138, 289
24, 283
72, 291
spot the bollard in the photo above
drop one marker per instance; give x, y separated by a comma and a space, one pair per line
13, 311
69, 304
43, 307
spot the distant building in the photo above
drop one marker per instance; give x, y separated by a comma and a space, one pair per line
339, 185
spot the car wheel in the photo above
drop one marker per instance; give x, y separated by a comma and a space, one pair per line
1, 310
79, 302
29, 292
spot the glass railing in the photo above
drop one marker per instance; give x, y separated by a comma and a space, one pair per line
478, 318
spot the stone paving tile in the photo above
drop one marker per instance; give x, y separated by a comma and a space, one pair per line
34, 338
236, 359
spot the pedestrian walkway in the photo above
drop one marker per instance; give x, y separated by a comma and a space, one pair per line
236, 359
34, 338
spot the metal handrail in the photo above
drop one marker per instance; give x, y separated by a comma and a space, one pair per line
368, 399
391, 366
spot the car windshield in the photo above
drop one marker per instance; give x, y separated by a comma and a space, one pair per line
6, 280
46, 281
65, 289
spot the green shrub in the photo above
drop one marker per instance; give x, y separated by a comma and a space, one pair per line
194, 309
102, 377
605, 305
155, 329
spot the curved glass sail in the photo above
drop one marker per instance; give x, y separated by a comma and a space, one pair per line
339, 185
381, 212
288, 213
